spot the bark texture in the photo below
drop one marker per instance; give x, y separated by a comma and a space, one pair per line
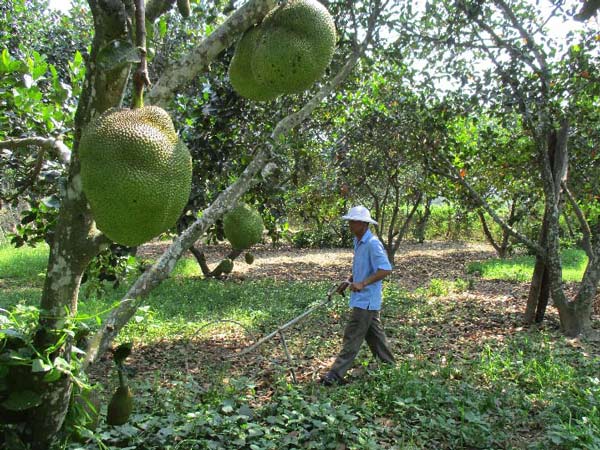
76, 241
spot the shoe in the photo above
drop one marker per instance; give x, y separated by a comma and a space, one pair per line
331, 379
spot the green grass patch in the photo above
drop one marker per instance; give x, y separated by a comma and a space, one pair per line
22, 274
520, 268
24, 263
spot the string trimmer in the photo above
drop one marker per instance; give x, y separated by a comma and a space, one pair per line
338, 288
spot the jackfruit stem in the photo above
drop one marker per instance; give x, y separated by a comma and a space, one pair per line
140, 77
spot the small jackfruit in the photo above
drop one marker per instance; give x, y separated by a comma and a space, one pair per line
120, 406
249, 257
122, 352
136, 173
226, 266
243, 226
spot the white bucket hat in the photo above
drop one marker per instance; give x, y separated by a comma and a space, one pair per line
360, 214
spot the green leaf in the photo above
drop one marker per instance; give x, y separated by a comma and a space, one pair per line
8, 63
117, 54
52, 201
61, 364
8, 332
38, 365
162, 26
22, 400
52, 375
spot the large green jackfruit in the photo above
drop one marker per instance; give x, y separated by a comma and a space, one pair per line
136, 173
243, 226
295, 46
286, 53
240, 74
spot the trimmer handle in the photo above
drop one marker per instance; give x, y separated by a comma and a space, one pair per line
339, 288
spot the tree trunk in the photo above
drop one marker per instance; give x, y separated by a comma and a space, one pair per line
544, 296
488, 234
554, 162
421, 224
513, 218
539, 280
75, 243
575, 314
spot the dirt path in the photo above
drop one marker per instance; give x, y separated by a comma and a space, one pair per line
415, 264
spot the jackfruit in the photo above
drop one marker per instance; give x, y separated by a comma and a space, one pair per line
135, 172
120, 406
226, 265
241, 76
243, 226
249, 257
295, 46
286, 53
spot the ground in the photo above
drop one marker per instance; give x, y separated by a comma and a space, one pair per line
484, 311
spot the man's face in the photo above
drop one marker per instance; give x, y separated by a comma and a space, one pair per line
357, 228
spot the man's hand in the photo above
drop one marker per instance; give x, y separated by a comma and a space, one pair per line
357, 287
342, 287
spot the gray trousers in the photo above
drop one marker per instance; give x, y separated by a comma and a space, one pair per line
362, 325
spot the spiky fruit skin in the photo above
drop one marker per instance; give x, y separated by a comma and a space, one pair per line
249, 257
136, 173
226, 265
243, 226
120, 406
286, 53
295, 46
240, 74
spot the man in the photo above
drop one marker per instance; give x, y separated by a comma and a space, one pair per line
369, 266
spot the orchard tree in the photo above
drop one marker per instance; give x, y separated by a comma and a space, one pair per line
380, 156
494, 155
118, 53
551, 85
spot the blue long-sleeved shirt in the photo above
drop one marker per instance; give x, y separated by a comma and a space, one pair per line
369, 257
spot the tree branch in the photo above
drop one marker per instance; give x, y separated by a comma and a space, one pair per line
585, 226
529, 41
455, 176
60, 149
140, 76
512, 50
156, 8
196, 61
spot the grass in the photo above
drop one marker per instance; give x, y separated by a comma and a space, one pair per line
21, 273
521, 268
26, 263
466, 377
